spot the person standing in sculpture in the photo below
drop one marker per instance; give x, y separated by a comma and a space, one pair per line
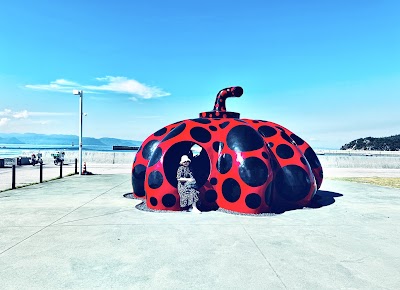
187, 187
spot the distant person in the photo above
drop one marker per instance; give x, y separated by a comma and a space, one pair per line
187, 187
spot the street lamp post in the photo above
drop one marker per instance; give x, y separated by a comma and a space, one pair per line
80, 93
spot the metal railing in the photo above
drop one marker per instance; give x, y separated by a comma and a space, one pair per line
28, 175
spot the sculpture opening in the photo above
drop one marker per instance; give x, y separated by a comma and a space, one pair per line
200, 162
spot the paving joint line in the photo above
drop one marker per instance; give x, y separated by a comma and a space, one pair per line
91, 217
9, 248
265, 258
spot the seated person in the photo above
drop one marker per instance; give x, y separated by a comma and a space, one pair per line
187, 187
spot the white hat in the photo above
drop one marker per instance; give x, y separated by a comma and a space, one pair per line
183, 159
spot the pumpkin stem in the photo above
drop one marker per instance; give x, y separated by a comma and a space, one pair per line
219, 105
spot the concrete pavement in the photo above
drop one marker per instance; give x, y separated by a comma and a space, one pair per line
81, 233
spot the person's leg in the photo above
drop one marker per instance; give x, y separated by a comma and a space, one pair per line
195, 193
184, 202
195, 209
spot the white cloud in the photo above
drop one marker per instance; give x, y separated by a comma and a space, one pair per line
4, 121
120, 85
21, 115
65, 82
59, 85
6, 112
25, 114
41, 114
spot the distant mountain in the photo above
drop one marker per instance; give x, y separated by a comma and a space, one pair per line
57, 139
10, 140
391, 143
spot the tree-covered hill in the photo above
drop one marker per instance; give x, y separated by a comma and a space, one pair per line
391, 143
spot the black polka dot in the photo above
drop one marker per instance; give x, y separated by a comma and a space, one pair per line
284, 151
239, 120
244, 138
155, 179
176, 131
213, 181
286, 137
267, 131
312, 158
253, 171
218, 146
297, 139
271, 144
168, 200
223, 125
292, 183
200, 134
224, 163
280, 128
303, 160
213, 128
138, 175
139, 171
160, 132
202, 120
153, 201
253, 200
265, 155
210, 195
231, 190
149, 148
321, 174
156, 157
254, 121
268, 194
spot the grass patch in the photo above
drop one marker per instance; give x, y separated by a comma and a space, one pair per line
380, 181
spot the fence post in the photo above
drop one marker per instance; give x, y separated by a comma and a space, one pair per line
76, 165
41, 173
13, 178
61, 164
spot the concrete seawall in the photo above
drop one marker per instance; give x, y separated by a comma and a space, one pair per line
344, 160
91, 157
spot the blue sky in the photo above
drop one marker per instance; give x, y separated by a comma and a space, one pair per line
327, 70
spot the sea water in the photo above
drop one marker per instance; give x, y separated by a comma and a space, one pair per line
17, 150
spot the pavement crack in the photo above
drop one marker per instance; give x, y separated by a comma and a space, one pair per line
265, 258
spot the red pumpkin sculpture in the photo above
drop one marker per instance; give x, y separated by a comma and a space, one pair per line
245, 166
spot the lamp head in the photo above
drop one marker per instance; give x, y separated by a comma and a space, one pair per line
76, 92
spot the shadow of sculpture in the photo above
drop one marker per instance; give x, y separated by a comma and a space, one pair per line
321, 198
